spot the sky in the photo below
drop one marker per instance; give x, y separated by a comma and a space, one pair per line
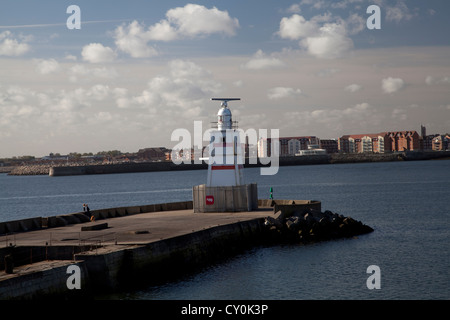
136, 71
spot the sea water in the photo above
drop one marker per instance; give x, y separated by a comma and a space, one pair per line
406, 203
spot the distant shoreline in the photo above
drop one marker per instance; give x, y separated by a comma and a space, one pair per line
49, 169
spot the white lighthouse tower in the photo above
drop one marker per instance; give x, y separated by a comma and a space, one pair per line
226, 159
224, 190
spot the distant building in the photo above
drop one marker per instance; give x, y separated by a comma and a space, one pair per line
423, 131
358, 143
152, 154
379, 142
440, 142
330, 145
311, 152
288, 146
55, 157
426, 143
404, 140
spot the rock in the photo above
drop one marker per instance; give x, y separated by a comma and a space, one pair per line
314, 226
309, 219
269, 221
293, 223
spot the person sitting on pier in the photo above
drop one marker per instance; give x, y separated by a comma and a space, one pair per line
88, 212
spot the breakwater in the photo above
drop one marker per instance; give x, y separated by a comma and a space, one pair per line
35, 253
80, 169
37, 267
107, 269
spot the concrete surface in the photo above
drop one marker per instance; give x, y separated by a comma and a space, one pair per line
134, 229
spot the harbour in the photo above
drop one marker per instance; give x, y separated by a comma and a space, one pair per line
119, 251
403, 201
336, 158
327, 190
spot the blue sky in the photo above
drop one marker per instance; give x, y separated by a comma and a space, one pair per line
137, 70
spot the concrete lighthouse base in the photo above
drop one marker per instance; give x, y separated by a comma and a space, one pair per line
225, 199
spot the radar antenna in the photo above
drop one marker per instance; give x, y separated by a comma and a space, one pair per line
225, 100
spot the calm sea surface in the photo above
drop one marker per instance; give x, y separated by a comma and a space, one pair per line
407, 203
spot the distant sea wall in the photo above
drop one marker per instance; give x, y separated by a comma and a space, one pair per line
124, 168
283, 161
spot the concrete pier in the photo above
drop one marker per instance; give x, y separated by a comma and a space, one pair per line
134, 247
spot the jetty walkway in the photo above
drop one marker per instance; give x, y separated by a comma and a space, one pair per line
134, 229
122, 248
134, 246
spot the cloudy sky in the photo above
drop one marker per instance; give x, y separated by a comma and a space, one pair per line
138, 70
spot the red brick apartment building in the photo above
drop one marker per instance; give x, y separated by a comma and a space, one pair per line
379, 142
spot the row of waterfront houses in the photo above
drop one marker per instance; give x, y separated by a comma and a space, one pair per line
393, 141
380, 142
383, 142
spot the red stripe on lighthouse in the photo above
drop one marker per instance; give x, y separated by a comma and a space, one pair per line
229, 167
222, 168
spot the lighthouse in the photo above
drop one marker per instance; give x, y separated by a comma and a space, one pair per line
225, 190
225, 166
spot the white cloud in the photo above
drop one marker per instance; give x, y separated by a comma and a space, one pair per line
336, 119
355, 23
87, 74
162, 31
181, 93
194, 20
295, 8
430, 80
316, 4
282, 92
70, 57
319, 36
261, 61
189, 21
296, 27
52, 112
97, 53
132, 39
353, 88
399, 114
47, 66
323, 4
11, 47
238, 83
399, 12
332, 42
98, 92
391, 85
122, 98
328, 72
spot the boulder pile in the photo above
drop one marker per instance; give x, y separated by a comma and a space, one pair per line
30, 170
313, 225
